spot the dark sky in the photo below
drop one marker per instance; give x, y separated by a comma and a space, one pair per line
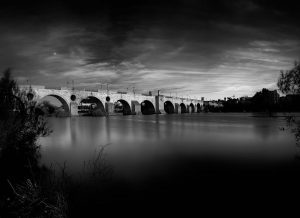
196, 48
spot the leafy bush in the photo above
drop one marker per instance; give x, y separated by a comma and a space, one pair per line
22, 188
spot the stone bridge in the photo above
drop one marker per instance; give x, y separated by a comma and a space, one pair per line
132, 103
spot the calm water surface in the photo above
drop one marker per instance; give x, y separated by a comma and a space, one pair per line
143, 146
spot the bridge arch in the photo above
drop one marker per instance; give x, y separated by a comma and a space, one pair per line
183, 108
147, 108
169, 107
198, 108
96, 107
192, 108
61, 99
122, 106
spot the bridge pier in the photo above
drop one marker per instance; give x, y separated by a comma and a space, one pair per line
73, 109
188, 109
109, 108
177, 108
135, 108
159, 104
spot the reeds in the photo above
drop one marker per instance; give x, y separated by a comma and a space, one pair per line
30, 200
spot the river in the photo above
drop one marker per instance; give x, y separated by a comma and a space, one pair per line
142, 146
167, 162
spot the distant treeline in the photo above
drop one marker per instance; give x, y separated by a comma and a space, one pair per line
263, 101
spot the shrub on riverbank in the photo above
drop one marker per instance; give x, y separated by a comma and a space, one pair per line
22, 179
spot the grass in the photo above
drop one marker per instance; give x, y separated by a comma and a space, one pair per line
54, 193
31, 200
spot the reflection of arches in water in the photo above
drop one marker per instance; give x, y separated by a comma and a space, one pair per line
168, 107
177, 106
198, 108
122, 106
74, 131
192, 110
147, 107
187, 108
91, 105
183, 108
64, 103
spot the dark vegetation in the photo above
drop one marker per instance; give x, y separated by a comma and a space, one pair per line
264, 101
23, 193
289, 83
28, 189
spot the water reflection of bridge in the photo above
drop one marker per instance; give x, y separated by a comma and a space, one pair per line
76, 102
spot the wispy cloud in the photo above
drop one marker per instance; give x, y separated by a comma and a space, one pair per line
214, 58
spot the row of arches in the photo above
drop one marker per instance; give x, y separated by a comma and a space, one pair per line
120, 106
170, 109
94, 106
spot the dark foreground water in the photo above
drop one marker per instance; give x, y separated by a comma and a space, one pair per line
166, 158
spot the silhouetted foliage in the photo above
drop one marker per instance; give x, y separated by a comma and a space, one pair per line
20, 127
233, 105
289, 81
10, 100
265, 101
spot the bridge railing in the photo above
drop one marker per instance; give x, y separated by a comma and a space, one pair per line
54, 87
27, 87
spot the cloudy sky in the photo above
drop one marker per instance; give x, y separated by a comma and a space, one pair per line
213, 49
